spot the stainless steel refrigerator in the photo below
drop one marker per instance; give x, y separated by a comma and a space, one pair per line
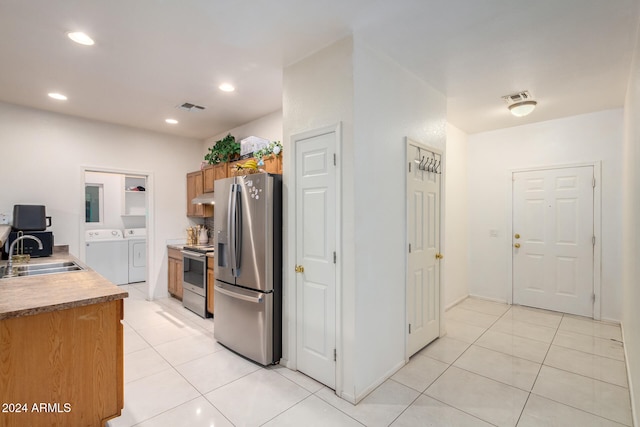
248, 266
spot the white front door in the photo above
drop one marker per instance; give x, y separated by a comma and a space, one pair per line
553, 239
315, 256
423, 234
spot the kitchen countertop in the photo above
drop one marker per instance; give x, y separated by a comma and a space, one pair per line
29, 295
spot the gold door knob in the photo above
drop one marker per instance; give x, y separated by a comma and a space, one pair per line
439, 256
517, 245
299, 269
517, 236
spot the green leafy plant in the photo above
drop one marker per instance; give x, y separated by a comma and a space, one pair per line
223, 150
274, 147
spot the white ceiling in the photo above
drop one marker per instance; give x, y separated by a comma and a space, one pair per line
151, 55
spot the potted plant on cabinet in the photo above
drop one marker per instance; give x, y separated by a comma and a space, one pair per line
272, 150
223, 150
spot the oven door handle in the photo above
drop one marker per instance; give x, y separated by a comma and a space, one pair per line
193, 254
223, 291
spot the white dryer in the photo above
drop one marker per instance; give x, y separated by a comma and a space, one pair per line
137, 238
107, 252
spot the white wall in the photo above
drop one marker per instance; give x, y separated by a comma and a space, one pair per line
456, 218
41, 159
631, 231
379, 104
267, 127
318, 92
390, 104
584, 138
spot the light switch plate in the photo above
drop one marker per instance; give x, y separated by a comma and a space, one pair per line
493, 233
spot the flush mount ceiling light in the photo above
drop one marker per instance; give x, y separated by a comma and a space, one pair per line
523, 108
58, 96
80, 38
226, 87
172, 121
521, 103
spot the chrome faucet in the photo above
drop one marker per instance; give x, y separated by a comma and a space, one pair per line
9, 269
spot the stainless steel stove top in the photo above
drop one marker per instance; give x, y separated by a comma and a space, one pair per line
203, 249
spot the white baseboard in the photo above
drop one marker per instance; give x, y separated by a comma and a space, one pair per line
456, 302
501, 301
612, 321
631, 390
356, 399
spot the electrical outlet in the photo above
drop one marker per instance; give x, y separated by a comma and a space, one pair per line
4, 218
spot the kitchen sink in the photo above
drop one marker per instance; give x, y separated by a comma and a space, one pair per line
44, 268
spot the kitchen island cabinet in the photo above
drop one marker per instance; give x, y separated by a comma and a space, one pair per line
61, 350
175, 272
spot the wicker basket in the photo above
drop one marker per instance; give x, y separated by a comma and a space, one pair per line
241, 171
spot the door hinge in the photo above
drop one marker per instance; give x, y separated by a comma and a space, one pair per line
409, 247
593, 297
409, 167
594, 182
335, 355
593, 240
334, 257
409, 327
334, 159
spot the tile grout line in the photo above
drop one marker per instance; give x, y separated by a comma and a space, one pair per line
539, 370
174, 367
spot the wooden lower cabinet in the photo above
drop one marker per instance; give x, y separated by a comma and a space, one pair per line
175, 272
63, 368
210, 283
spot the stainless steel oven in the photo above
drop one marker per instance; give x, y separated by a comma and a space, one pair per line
194, 282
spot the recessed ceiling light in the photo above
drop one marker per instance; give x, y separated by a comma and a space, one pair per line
226, 87
81, 38
172, 121
58, 96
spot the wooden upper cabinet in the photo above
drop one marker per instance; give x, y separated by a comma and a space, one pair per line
273, 164
220, 171
211, 173
195, 187
208, 176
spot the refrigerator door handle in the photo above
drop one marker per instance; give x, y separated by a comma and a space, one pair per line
237, 230
257, 300
231, 227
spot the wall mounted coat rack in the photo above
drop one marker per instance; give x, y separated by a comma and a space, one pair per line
429, 163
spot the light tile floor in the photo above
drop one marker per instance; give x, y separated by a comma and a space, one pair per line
498, 365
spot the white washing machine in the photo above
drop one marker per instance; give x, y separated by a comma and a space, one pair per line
137, 238
107, 252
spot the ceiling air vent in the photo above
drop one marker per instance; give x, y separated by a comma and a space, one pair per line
517, 97
190, 107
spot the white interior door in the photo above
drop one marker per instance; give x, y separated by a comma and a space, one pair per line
316, 257
423, 235
553, 239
